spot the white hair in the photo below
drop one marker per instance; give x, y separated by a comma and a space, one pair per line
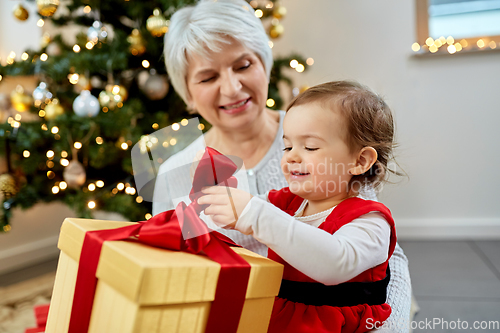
194, 29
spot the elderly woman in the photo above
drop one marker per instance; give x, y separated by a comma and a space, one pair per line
219, 61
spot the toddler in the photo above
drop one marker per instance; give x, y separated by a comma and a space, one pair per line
334, 245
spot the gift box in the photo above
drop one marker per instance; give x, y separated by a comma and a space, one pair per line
146, 289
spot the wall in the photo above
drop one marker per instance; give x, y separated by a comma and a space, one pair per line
446, 109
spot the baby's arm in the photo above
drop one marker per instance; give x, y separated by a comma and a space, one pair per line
329, 259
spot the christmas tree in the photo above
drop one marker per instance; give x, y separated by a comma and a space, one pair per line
95, 99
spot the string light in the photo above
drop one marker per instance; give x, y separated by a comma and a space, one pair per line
73, 78
91, 204
175, 126
76, 48
139, 199
89, 45
300, 68
173, 141
259, 13
99, 183
77, 145
64, 154
293, 63
130, 190
87, 9
91, 187
120, 186
145, 64
26, 154
50, 174
55, 189
40, 23
63, 185
44, 57
201, 127
155, 126
310, 61
99, 140
184, 122
64, 162
50, 164
50, 154
270, 102
452, 46
148, 216
54, 130
25, 56
124, 146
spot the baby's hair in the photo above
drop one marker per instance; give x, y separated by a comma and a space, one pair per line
368, 123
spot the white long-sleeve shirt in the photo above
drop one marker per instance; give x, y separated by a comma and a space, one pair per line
329, 259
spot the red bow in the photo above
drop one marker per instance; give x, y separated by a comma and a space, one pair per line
166, 230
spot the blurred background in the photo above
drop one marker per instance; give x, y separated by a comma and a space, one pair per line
435, 62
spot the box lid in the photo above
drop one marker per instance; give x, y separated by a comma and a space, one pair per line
152, 276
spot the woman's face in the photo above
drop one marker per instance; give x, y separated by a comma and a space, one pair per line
228, 88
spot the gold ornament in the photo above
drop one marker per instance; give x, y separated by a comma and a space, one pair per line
21, 13
74, 174
276, 30
47, 8
118, 89
108, 100
8, 186
137, 43
279, 12
53, 109
157, 24
20, 101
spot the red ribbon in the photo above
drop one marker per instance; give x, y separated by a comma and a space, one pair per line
165, 230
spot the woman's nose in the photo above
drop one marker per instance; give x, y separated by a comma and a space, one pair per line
230, 84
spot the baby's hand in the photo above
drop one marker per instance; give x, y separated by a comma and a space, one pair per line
226, 204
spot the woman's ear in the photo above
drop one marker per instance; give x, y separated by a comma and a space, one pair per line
367, 157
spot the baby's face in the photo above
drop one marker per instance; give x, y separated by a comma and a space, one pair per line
316, 161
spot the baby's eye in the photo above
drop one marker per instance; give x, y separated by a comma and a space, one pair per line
311, 149
287, 148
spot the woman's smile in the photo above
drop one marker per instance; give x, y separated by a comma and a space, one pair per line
236, 107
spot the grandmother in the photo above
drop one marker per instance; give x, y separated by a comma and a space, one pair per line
219, 61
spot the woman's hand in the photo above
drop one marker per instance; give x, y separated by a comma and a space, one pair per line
226, 204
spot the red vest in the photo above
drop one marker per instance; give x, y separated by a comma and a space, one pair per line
345, 212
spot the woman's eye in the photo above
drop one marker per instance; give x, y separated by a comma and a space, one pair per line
311, 149
245, 66
287, 148
208, 79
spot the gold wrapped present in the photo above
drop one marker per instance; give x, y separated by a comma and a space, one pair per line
146, 289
